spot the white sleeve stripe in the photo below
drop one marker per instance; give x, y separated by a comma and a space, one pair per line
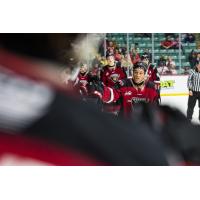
111, 95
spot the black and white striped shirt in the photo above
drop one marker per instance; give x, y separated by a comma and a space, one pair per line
194, 81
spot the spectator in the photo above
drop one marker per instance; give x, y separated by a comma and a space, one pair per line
176, 45
135, 56
170, 64
162, 61
117, 55
166, 66
168, 43
189, 37
192, 58
110, 48
163, 70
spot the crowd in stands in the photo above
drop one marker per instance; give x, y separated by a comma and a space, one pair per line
166, 64
170, 43
194, 57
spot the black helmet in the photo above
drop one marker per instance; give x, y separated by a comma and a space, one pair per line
145, 56
141, 65
109, 54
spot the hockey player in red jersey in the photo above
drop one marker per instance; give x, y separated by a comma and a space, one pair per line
82, 80
135, 90
112, 74
152, 74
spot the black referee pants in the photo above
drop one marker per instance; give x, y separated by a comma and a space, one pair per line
191, 104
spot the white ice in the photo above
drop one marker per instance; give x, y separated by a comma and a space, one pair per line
180, 102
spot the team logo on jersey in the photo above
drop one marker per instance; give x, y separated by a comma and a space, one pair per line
139, 100
114, 77
83, 82
128, 93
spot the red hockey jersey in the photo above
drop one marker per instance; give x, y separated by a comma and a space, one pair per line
153, 74
82, 82
110, 77
130, 96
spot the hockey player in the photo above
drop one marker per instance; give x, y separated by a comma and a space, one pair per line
112, 74
135, 90
152, 74
82, 80
84, 83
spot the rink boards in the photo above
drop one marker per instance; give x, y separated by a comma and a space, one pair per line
174, 85
174, 92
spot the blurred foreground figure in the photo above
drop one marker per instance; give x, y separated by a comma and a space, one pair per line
42, 123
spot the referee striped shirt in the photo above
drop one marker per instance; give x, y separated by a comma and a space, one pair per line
194, 81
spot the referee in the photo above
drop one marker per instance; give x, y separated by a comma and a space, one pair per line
194, 90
